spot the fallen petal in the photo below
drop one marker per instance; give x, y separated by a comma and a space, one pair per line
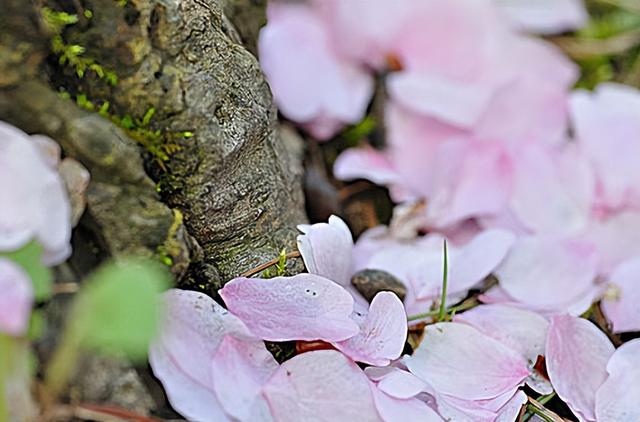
460, 361
303, 307
576, 354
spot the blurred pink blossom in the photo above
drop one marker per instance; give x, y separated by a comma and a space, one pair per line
16, 298
34, 202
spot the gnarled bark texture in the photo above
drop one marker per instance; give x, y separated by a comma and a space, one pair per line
208, 181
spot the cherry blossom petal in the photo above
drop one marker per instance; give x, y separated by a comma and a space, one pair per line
545, 16
16, 298
368, 163
322, 385
617, 239
382, 333
607, 122
303, 307
576, 355
326, 249
392, 409
401, 384
35, 203
201, 348
617, 398
510, 411
189, 396
458, 360
523, 331
549, 273
451, 101
621, 302
543, 197
309, 80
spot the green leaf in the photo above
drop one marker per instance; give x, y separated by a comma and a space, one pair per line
117, 310
29, 257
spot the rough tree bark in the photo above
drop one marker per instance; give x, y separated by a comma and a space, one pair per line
208, 180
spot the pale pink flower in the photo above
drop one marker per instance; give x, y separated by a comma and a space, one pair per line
33, 197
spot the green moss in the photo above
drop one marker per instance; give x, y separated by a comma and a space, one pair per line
171, 248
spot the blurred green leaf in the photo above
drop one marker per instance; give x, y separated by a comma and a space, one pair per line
117, 310
29, 257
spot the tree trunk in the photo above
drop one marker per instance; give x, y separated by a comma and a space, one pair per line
187, 160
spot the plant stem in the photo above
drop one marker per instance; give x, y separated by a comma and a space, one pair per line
467, 304
445, 279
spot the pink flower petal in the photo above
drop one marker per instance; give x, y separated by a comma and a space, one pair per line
368, 163
458, 360
607, 122
621, 302
303, 307
510, 411
310, 81
392, 409
523, 331
576, 357
326, 249
544, 197
617, 398
545, 16
16, 298
34, 202
451, 101
549, 273
321, 385
617, 239
382, 333
201, 348
401, 384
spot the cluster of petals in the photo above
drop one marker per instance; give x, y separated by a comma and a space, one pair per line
319, 57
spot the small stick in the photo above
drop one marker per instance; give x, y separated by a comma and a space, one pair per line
65, 288
267, 264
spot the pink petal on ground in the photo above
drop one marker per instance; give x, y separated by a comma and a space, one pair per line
192, 397
607, 122
510, 411
392, 409
617, 239
201, 344
548, 273
401, 384
458, 360
621, 301
523, 331
382, 333
34, 203
322, 385
246, 366
617, 398
303, 307
16, 298
451, 101
545, 16
368, 163
544, 197
576, 355
309, 80
326, 249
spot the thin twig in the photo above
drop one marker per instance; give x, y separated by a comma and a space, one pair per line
264, 266
536, 407
65, 288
